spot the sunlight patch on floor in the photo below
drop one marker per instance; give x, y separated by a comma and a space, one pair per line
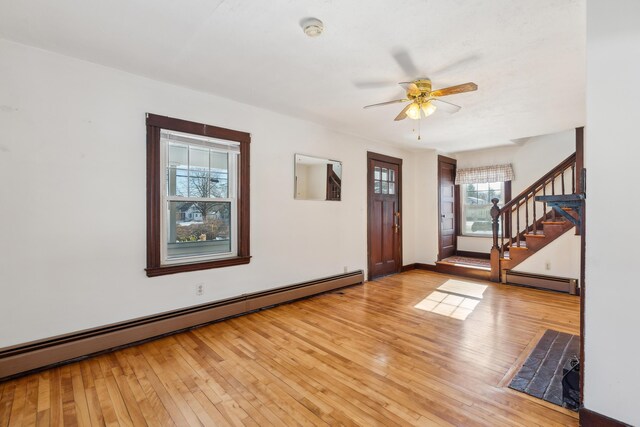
460, 287
458, 300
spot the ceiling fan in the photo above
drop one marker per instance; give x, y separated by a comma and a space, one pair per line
424, 101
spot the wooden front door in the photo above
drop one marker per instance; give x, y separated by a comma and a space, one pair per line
447, 207
384, 176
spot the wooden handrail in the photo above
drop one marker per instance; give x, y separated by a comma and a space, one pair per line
566, 163
505, 219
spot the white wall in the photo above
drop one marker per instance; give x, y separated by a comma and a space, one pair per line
530, 160
72, 167
562, 256
426, 217
612, 316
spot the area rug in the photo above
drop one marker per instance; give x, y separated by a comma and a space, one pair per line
541, 374
472, 262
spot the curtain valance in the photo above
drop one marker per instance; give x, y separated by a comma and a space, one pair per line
497, 173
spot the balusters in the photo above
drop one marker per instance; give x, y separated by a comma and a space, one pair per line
504, 227
518, 225
535, 225
562, 175
526, 212
553, 193
544, 204
510, 228
573, 178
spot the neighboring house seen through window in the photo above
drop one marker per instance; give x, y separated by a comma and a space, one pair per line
198, 200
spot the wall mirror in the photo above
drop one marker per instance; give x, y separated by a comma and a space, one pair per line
317, 178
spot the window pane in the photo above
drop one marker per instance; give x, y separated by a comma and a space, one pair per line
385, 186
376, 187
384, 174
477, 207
198, 183
219, 174
177, 182
483, 197
198, 228
198, 158
177, 171
392, 177
178, 156
392, 188
376, 173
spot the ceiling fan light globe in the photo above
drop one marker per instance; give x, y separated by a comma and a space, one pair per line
428, 108
414, 112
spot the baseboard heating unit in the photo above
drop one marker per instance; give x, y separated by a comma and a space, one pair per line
558, 284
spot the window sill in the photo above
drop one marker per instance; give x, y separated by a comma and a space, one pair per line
196, 266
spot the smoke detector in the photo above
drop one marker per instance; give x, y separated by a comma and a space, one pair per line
312, 27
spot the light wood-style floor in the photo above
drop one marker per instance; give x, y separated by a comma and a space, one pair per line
360, 356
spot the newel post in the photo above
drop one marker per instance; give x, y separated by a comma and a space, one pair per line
495, 249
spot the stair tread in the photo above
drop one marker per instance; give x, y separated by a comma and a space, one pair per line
540, 235
554, 222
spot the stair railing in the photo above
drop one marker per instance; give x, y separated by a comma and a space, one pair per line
523, 215
334, 184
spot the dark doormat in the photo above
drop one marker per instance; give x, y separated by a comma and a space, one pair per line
541, 374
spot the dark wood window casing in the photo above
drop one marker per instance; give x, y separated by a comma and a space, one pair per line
155, 124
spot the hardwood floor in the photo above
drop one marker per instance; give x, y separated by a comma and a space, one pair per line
360, 356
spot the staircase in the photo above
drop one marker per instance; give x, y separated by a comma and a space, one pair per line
334, 184
536, 217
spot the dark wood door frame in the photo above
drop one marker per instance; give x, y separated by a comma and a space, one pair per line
456, 212
398, 162
581, 188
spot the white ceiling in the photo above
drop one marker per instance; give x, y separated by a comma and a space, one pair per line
527, 57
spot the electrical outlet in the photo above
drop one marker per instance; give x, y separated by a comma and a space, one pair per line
345, 269
547, 265
200, 289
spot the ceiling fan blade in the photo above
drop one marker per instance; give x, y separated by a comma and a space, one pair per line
465, 87
446, 106
411, 88
405, 62
386, 103
403, 113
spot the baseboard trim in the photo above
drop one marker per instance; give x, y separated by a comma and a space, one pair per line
25, 358
427, 267
408, 267
590, 418
481, 255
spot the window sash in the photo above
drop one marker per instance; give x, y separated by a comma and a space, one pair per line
214, 144
232, 192
466, 206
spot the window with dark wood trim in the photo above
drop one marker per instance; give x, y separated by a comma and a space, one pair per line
198, 211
